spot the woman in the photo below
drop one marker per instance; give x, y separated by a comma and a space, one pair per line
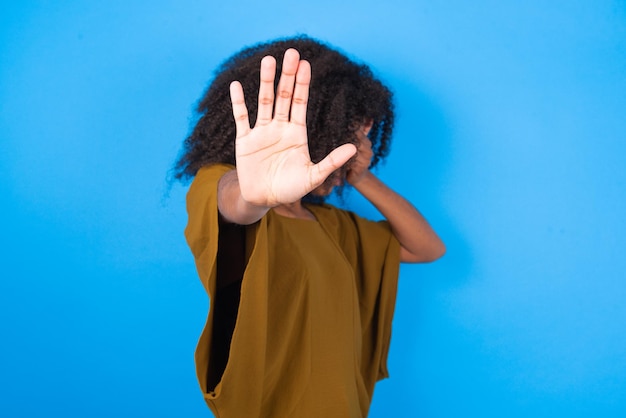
302, 293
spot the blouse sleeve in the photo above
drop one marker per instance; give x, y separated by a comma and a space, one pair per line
202, 234
378, 262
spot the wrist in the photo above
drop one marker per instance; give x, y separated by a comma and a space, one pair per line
248, 213
362, 180
231, 202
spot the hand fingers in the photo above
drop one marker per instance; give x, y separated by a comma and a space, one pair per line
266, 91
301, 93
367, 127
337, 157
363, 140
364, 154
285, 85
240, 111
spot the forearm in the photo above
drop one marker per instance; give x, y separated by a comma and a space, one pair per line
231, 204
418, 241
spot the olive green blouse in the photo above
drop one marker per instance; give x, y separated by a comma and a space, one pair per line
300, 313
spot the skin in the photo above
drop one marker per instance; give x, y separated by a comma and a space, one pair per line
274, 169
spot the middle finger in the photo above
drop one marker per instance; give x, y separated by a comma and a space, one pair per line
285, 85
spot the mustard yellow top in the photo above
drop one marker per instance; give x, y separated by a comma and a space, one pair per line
311, 304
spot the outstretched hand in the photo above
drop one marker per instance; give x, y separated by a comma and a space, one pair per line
273, 162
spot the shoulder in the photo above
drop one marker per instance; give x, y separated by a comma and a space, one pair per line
202, 194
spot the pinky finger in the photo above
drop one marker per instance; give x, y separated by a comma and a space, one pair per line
240, 111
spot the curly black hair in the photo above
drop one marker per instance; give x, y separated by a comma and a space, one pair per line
343, 96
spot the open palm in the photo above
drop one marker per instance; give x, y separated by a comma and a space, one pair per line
273, 162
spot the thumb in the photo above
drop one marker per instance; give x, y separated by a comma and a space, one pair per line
337, 157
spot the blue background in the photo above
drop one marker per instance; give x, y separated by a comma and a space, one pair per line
510, 138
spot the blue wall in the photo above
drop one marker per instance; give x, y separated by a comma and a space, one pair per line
511, 138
